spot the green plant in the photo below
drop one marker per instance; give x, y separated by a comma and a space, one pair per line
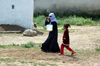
74, 20
14, 44
98, 48
35, 64
83, 53
6, 60
79, 23
28, 45
23, 62
40, 20
2, 46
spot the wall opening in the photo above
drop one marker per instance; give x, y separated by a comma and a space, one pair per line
13, 6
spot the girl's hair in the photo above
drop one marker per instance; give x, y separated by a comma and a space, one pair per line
66, 25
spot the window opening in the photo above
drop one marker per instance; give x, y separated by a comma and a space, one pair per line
12, 6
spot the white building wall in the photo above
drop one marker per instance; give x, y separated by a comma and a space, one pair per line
21, 15
89, 6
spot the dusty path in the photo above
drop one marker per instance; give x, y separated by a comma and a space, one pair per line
19, 57
82, 37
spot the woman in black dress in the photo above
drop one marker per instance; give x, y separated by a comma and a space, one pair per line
51, 44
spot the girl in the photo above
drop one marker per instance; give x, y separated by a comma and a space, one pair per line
66, 40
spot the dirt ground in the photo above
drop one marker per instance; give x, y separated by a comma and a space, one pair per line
83, 39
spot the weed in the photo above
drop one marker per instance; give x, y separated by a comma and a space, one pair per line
79, 23
35, 64
44, 64
74, 20
98, 48
40, 20
2, 46
28, 45
6, 60
82, 53
23, 62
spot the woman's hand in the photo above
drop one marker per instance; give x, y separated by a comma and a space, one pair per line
47, 19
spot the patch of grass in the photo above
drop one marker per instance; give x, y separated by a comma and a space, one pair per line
40, 20
8, 60
23, 62
98, 48
2, 46
38, 64
28, 45
80, 21
35, 64
73, 20
12, 46
44, 64
83, 53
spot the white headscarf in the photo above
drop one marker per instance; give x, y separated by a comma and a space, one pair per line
52, 18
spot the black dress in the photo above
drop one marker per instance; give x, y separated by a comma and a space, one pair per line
51, 44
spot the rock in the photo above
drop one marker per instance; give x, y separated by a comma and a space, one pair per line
29, 32
36, 46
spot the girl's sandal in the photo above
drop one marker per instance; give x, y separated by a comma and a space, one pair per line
73, 53
61, 54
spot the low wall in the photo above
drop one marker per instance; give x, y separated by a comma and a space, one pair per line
61, 6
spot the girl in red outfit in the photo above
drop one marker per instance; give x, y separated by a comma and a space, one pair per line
66, 41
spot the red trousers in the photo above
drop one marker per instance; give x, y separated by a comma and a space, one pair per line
62, 49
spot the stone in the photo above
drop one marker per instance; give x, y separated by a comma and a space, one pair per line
29, 32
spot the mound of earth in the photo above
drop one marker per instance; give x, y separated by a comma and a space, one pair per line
8, 27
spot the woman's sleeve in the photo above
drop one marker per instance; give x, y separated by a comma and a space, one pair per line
54, 27
46, 22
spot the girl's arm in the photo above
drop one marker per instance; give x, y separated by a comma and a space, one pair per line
64, 37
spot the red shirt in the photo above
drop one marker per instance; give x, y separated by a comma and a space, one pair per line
66, 38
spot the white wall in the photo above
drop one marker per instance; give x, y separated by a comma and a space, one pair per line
21, 15
89, 6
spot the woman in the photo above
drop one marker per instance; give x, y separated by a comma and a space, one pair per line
51, 44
